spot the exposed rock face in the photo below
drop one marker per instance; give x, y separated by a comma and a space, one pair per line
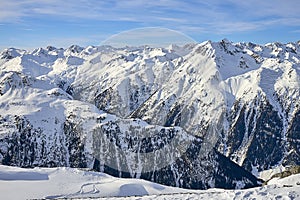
256, 135
159, 158
168, 156
26, 146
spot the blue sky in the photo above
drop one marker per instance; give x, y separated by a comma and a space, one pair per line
61, 23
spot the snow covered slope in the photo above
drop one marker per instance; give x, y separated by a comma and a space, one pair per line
107, 108
59, 131
68, 183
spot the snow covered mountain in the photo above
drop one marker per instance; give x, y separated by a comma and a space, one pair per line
172, 115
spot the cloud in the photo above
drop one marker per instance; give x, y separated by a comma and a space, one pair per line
170, 19
279, 8
8, 11
214, 16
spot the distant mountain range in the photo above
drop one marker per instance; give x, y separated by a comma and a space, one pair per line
197, 116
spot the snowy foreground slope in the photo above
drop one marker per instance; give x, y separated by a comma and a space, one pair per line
199, 116
50, 183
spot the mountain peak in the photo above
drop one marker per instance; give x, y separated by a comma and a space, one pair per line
235, 99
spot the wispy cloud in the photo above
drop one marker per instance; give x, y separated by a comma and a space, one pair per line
191, 17
246, 15
171, 19
279, 8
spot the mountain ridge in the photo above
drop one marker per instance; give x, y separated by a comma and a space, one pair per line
240, 99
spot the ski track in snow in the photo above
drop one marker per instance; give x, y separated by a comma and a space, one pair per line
68, 183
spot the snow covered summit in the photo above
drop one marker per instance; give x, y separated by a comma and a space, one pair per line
124, 111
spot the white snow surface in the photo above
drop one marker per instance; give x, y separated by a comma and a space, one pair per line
207, 77
68, 183
267, 174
